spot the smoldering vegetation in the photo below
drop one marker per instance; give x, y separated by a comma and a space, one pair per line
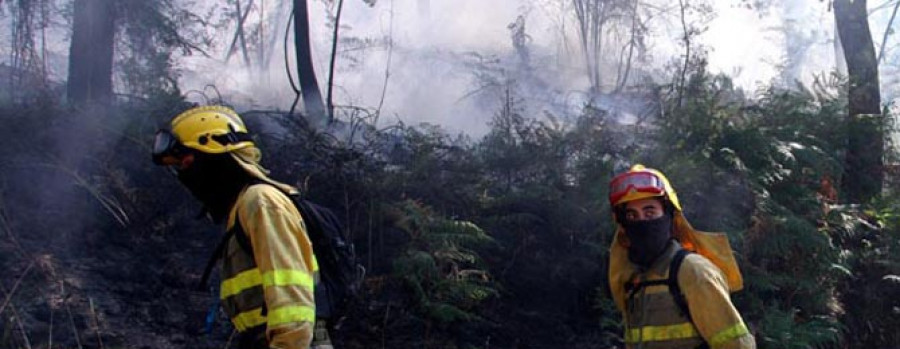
491, 239
109, 247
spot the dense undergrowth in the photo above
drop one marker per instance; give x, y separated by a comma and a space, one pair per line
496, 242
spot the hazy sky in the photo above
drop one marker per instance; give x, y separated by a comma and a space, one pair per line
429, 81
431, 75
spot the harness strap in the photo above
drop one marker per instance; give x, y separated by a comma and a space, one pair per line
674, 288
633, 288
671, 282
217, 254
219, 251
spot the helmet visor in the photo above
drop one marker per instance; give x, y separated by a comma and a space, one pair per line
644, 182
167, 150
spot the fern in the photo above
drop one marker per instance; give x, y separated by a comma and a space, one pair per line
441, 266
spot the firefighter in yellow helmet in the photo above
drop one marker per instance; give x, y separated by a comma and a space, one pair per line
671, 282
268, 267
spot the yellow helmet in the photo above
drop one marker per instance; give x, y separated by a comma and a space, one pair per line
641, 183
211, 129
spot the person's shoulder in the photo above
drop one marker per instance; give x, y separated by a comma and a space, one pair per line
263, 194
697, 267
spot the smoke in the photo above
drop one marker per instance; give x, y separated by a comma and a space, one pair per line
425, 42
427, 49
431, 44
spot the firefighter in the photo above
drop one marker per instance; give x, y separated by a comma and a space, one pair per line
671, 282
268, 266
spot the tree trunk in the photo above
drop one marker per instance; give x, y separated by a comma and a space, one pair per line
863, 167
91, 52
687, 53
241, 17
334, 43
306, 74
591, 17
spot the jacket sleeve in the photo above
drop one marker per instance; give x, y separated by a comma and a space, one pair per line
286, 262
715, 317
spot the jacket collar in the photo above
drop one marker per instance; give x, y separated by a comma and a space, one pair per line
661, 264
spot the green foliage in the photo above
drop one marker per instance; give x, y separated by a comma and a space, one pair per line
610, 320
763, 169
440, 265
418, 202
536, 185
760, 168
154, 33
426, 163
778, 147
869, 242
811, 269
780, 329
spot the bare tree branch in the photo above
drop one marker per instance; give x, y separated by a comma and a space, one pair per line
631, 44
15, 286
687, 51
887, 30
239, 33
334, 43
387, 67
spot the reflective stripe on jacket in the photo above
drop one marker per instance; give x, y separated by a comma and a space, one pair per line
270, 292
653, 319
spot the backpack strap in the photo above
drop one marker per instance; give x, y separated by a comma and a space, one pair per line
218, 253
633, 287
672, 282
674, 288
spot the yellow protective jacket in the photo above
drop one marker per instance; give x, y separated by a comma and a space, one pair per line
271, 291
653, 319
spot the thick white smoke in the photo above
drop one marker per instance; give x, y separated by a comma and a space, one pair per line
431, 76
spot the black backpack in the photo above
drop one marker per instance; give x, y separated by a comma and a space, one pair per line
340, 276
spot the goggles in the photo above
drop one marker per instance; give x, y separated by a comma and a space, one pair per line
643, 182
167, 150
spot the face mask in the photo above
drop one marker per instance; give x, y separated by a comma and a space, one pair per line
215, 180
648, 239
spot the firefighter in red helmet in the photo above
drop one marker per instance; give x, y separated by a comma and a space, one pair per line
671, 282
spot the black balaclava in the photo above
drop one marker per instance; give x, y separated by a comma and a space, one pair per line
648, 239
215, 180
